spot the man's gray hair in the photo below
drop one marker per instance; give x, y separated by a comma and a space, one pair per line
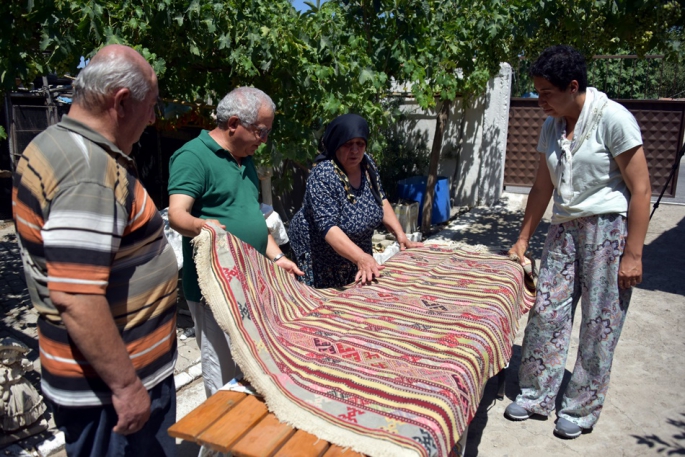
244, 103
107, 74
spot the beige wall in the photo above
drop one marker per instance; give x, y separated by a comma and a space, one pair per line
476, 173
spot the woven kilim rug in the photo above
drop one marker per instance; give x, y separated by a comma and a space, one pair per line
394, 369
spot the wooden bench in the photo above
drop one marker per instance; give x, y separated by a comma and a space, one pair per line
240, 424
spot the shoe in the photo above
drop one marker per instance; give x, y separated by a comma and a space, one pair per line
567, 429
187, 333
514, 412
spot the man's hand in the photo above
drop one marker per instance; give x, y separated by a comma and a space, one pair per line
289, 266
90, 325
132, 404
368, 269
180, 219
213, 221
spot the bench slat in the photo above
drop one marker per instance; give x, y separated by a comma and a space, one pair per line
337, 451
223, 434
264, 439
202, 417
303, 444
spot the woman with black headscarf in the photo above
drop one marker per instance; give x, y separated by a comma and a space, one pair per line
343, 204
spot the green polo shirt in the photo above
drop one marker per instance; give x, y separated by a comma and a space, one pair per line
223, 190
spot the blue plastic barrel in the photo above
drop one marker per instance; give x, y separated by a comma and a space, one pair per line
414, 188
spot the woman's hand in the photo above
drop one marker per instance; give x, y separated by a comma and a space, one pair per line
629, 271
393, 225
519, 250
289, 266
406, 243
368, 269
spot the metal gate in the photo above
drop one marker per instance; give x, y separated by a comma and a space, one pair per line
662, 123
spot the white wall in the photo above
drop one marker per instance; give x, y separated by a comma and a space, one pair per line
477, 172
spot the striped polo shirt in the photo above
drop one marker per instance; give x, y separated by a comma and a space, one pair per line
86, 225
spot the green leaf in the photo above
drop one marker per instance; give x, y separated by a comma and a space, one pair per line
332, 104
224, 41
365, 75
45, 42
211, 28
194, 7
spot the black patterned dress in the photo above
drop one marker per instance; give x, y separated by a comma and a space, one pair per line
330, 201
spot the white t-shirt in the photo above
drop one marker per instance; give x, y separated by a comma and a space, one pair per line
598, 186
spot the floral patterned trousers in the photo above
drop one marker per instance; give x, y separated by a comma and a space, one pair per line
580, 259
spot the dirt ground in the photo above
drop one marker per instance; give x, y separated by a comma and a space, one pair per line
644, 413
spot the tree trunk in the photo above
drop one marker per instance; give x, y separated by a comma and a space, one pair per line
427, 210
265, 172
460, 148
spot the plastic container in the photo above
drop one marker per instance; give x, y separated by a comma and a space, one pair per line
414, 188
407, 213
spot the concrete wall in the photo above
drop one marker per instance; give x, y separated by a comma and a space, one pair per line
475, 166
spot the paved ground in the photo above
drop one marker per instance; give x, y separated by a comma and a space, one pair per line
645, 409
644, 413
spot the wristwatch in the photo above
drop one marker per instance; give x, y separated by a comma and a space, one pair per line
278, 257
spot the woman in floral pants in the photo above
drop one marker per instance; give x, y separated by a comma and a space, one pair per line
593, 164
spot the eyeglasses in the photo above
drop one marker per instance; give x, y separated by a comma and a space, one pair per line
261, 132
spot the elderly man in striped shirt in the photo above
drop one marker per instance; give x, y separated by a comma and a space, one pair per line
98, 267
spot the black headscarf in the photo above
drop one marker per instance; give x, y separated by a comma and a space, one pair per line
341, 130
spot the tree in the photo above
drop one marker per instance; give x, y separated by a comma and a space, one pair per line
600, 26
616, 27
440, 49
25, 54
340, 56
310, 64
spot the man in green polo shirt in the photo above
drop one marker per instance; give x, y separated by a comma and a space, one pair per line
213, 178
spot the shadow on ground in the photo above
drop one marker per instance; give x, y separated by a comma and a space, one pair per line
480, 420
661, 258
663, 446
187, 449
496, 228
